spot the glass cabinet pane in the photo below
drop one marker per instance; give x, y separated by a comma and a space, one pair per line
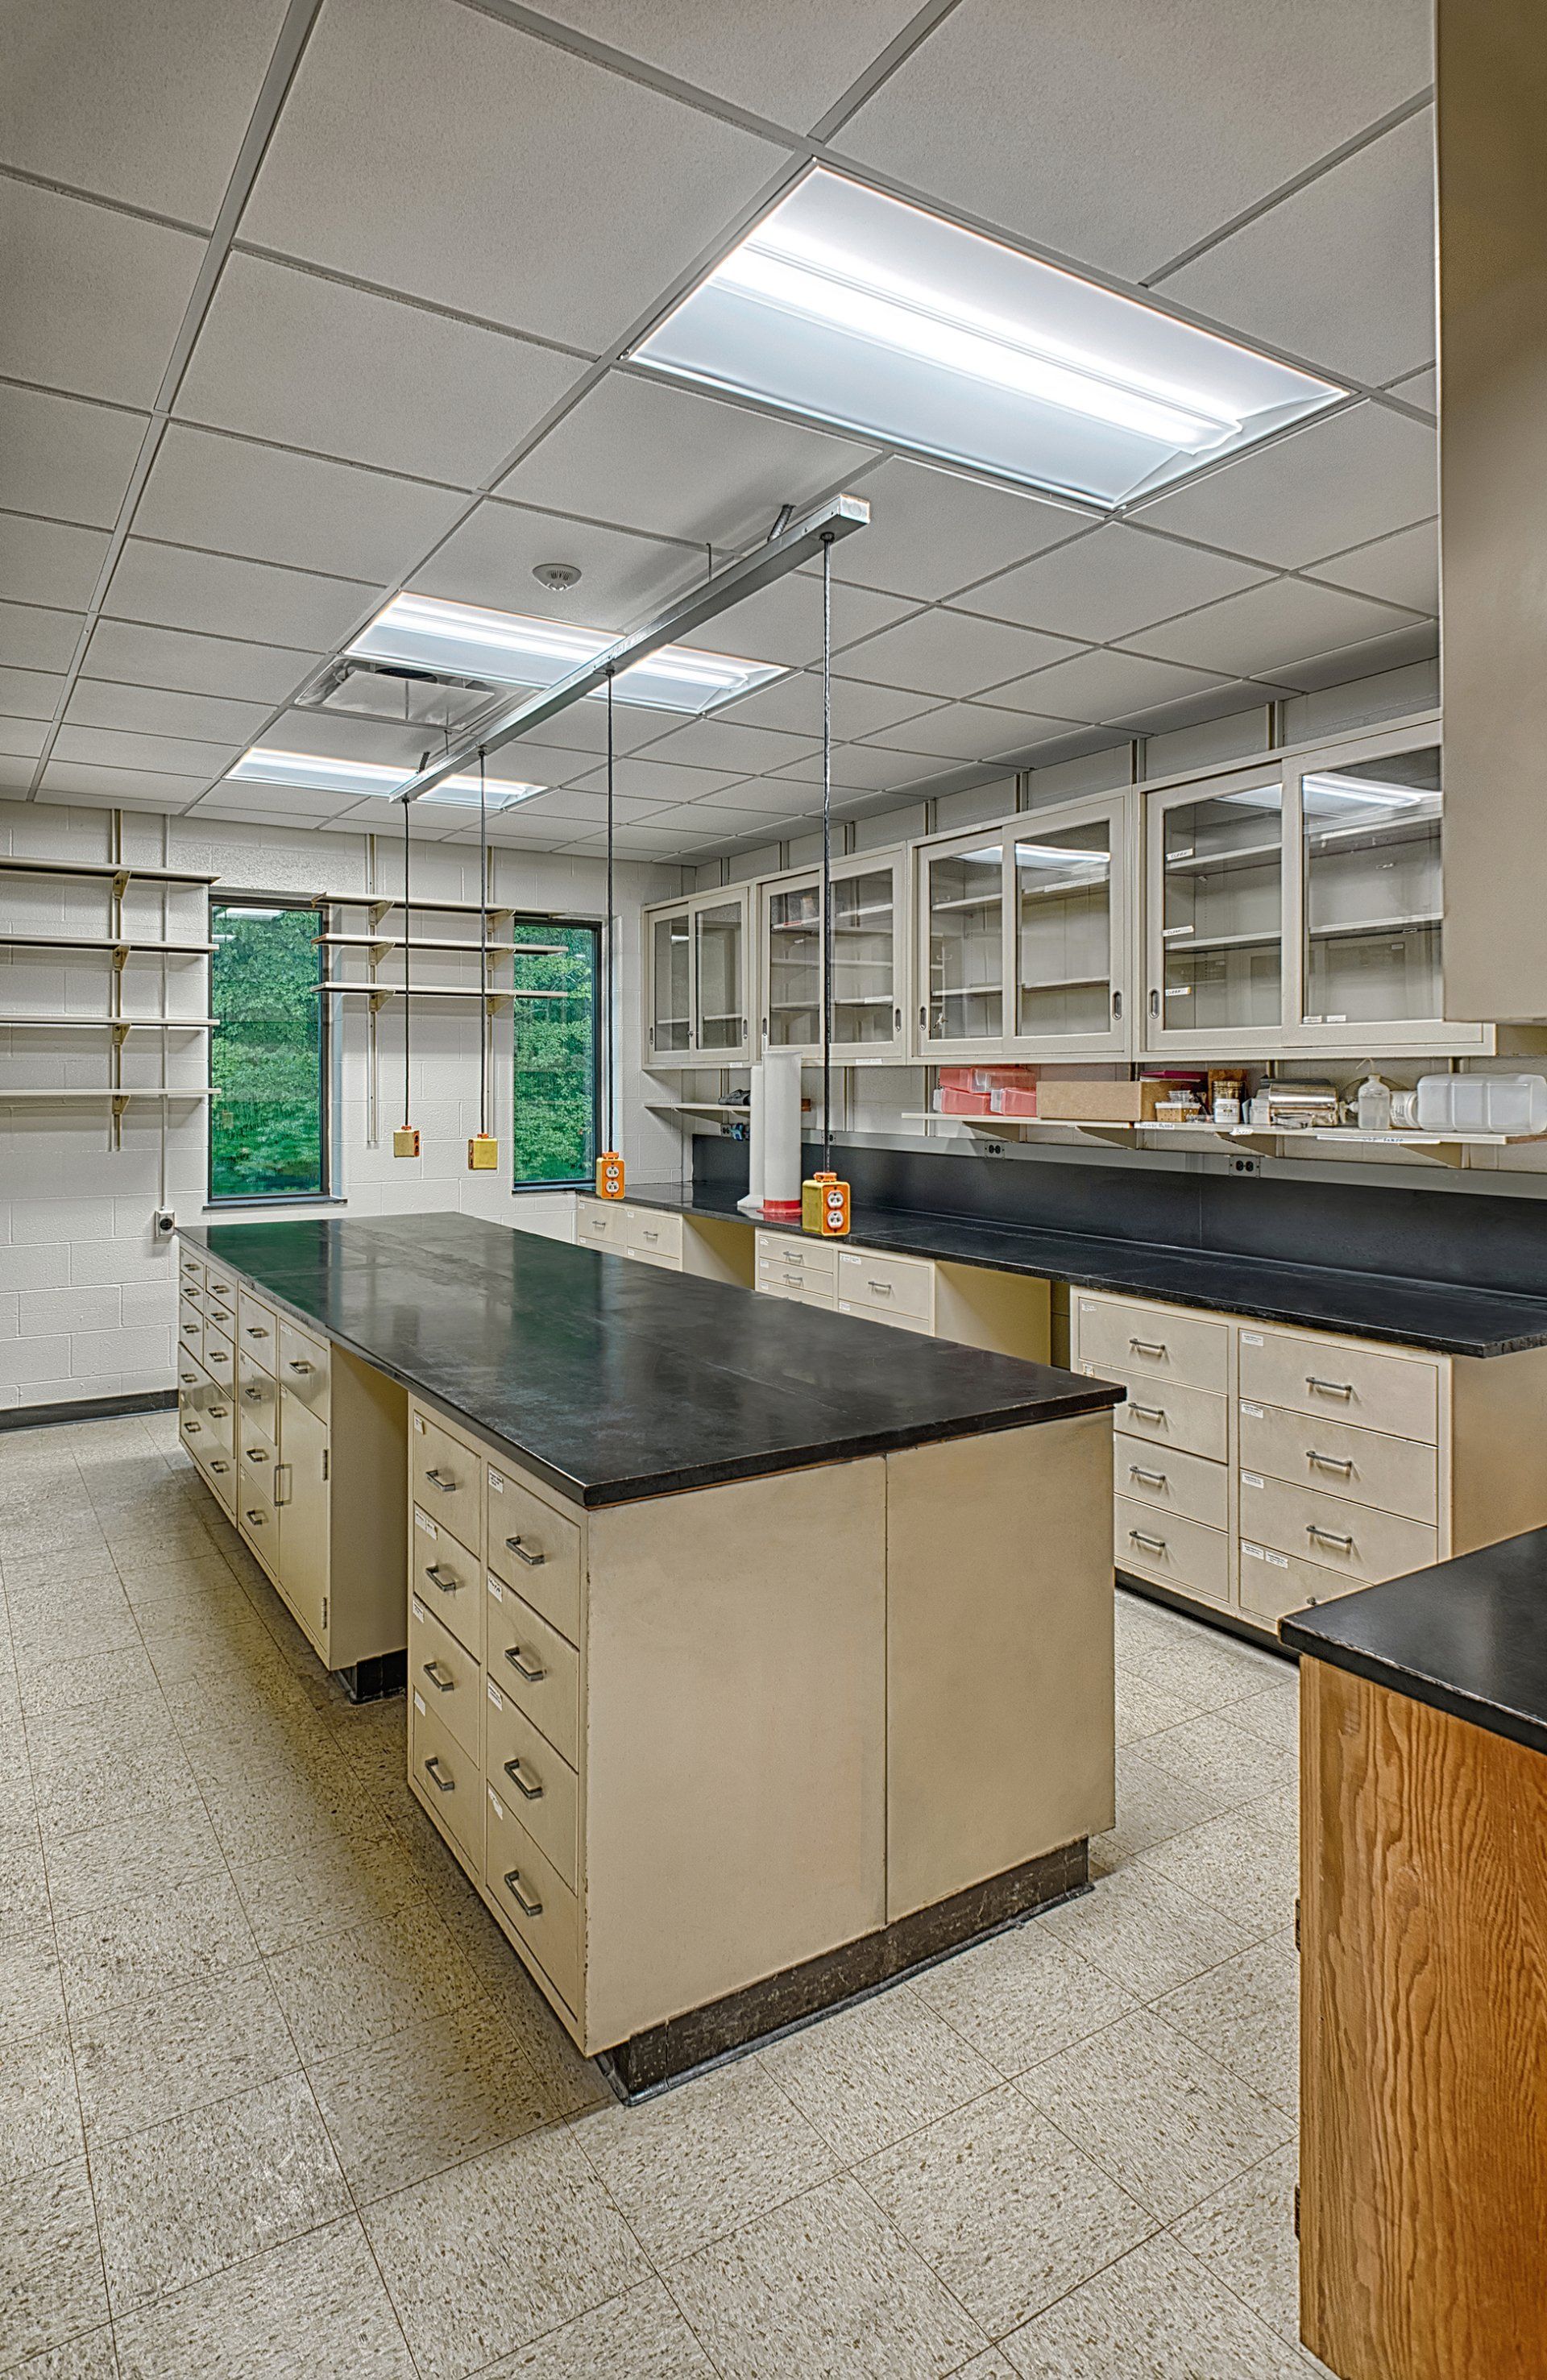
965, 957
864, 971
795, 968
671, 1020
722, 1024
1063, 930
1370, 836
1221, 918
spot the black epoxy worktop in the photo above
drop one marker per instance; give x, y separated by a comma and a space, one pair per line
1469, 1636
1452, 1318
613, 1380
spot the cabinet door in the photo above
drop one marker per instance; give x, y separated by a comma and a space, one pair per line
792, 964
719, 977
1069, 891
670, 1031
962, 937
302, 1514
1216, 885
867, 958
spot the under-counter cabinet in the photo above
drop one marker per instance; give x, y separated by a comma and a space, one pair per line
697, 1011
870, 947
303, 1447
702, 1246
1006, 1313
1259, 1469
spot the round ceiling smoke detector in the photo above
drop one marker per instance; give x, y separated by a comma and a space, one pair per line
557, 577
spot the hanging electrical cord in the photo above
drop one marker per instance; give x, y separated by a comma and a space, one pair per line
407, 955
482, 953
609, 1118
827, 855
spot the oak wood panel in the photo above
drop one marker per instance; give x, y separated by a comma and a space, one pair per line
1424, 2250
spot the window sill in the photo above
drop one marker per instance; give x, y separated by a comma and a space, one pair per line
245, 1205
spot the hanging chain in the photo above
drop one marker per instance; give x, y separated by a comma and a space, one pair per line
483, 952
408, 947
609, 1118
827, 854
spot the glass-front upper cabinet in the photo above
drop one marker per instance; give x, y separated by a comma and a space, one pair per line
1369, 903
696, 1006
1024, 936
1217, 899
868, 948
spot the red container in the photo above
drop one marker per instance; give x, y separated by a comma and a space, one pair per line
959, 1078
1007, 1101
948, 1102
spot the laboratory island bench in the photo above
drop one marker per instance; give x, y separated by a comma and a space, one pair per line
755, 1655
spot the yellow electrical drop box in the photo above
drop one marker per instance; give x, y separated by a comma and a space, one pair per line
609, 1174
483, 1153
824, 1205
405, 1140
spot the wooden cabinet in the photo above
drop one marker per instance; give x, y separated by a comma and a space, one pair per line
697, 1002
869, 951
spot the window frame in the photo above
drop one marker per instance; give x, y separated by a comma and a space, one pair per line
214, 1203
525, 921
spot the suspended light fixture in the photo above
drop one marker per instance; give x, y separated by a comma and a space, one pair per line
405, 1139
609, 1164
483, 1149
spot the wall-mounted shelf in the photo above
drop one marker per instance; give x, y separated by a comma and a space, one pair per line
103, 871
120, 1094
381, 905
699, 1107
379, 943
116, 1025
1442, 1149
377, 992
122, 946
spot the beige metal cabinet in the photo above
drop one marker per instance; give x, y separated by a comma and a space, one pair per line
1007, 1313
698, 1007
869, 960
703, 1245
302, 1502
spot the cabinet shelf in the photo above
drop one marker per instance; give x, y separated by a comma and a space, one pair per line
1202, 862
121, 945
103, 871
1177, 944
1063, 982
1423, 917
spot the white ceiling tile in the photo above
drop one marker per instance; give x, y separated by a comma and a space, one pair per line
873, 766
660, 459
1096, 687
1399, 651
427, 148
171, 587
655, 781
1258, 634
963, 731
306, 362
1340, 273
630, 843
790, 64
63, 457
783, 623
93, 298
701, 822
286, 806
158, 711
580, 734
269, 505
32, 637
952, 653
21, 739
48, 562
145, 100
330, 737
167, 756
931, 533
1108, 584
1192, 711
1401, 569
30, 694
590, 810
1335, 484
717, 742
795, 702
116, 787
1420, 388
138, 656
490, 559
1120, 136
756, 793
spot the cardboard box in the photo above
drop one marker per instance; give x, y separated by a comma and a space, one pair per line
1094, 1102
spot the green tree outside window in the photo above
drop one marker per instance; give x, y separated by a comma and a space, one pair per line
558, 1047
267, 1137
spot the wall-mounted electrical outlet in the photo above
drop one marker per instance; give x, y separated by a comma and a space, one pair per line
1245, 1165
166, 1223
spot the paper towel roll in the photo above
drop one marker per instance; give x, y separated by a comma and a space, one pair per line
781, 1133
752, 1203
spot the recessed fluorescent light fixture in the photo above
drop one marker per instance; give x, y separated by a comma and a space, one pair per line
265, 766
849, 308
515, 650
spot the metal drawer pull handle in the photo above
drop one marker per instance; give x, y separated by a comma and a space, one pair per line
442, 1680
532, 1677
446, 1585
1148, 1347
1150, 1478
255, 1396
300, 1364
192, 1426
187, 1379
256, 1330
446, 1487
256, 1520
218, 1412
533, 1561
219, 1466
529, 1792
1141, 1537
882, 1288
190, 1329
1328, 1537
433, 1770
524, 1901
1330, 1388
257, 1453
1148, 1413
1331, 1463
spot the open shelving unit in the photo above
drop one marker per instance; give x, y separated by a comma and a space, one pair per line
1444, 1148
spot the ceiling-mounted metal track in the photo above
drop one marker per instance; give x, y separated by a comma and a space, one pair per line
800, 543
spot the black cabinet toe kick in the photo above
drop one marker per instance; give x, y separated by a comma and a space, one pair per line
374, 1680
670, 2053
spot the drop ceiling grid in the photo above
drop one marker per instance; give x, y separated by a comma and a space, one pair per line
577, 376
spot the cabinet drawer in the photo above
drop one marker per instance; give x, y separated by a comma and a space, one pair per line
536, 1550
661, 1264
648, 1234
534, 1665
257, 1396
1395, 1394
256, 1458
191, 1327
445, 1674
782, 1252
220, 1470
532, 1898
878, 1313
1187, 1484
1153, 1342
449, 1779
1398, 1475
446, 1476
446, 1575
1364, 1545
598, 1225
219, 1282
220, 1359
258, 1330
1193, 1420
304, 1368
222, 1434
525, 1771
255, 1512
886, 1284
801, 1292
1184, 1554
1273, 1582
220, 1314
190, 1274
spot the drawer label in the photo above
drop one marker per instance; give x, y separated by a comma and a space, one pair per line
1279, 1562
495, 1695
419, 1609
497, 1806
418, 1702
1252, 1412
419, 1424
428, 1526
495, 1589
1254, 1551
1251, 1338
1251, 1479
496, 1485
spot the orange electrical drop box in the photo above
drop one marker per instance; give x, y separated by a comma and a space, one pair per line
609, 1174
824, 1206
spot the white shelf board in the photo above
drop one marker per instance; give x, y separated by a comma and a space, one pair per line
1375, 925
461, 950
131, 946
380, 904
435, 992
108, 871
113, 1023
114, 1091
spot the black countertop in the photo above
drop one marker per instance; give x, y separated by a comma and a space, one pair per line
613, 1380
1469, 1636
1454, 1320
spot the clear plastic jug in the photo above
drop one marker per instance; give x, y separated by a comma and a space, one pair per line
1461, 1103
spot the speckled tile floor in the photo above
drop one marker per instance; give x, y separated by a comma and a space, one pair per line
276, 2101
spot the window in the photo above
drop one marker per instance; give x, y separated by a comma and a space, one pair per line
557, 1055
268, 1137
